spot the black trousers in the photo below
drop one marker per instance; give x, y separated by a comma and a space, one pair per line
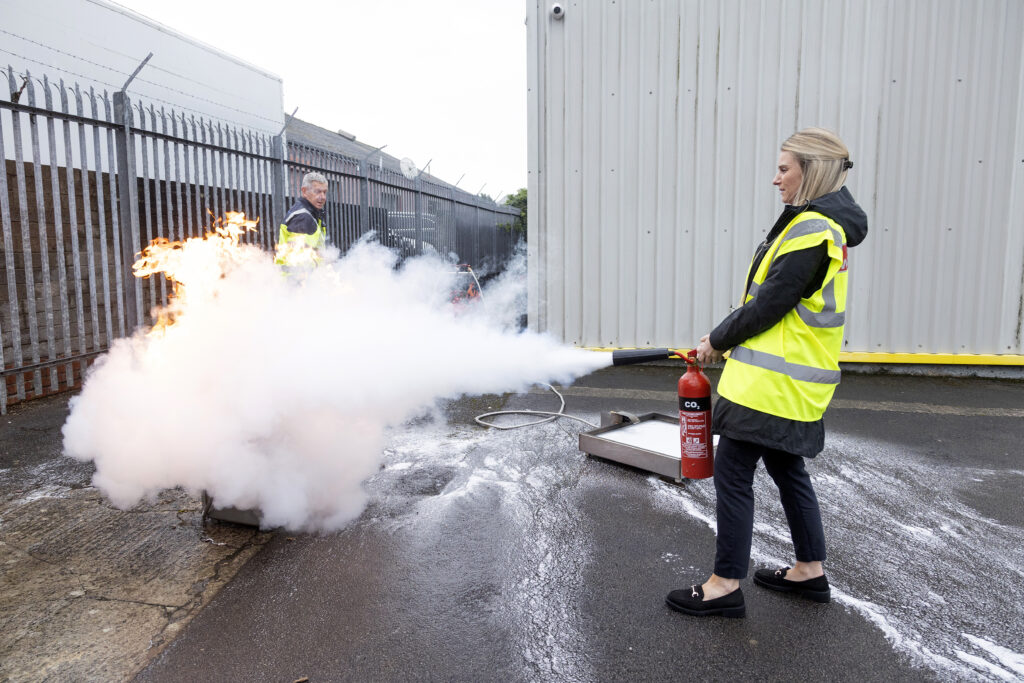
735, 463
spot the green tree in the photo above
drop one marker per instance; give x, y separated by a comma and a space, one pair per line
518, 200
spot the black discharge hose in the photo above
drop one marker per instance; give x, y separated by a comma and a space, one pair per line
633, 356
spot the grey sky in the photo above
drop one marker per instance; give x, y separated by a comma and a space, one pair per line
438, 79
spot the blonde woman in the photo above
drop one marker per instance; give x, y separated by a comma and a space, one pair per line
783, 344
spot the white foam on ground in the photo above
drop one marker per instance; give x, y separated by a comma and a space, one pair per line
917, 532
693, 499
1006, 657
45, 491
541, 588
905, 552
985, 665
904, 547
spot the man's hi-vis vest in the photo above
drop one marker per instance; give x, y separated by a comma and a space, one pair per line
791, 369
316, 240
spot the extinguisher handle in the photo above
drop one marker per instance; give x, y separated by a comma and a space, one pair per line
688, 356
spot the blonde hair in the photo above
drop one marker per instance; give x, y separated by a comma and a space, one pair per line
824, 161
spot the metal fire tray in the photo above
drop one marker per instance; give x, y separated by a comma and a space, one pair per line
649, 441
229, 514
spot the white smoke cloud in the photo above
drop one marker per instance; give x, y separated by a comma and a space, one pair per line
275, 393
506, 296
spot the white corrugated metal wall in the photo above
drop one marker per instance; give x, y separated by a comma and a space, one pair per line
75, 40
654, 134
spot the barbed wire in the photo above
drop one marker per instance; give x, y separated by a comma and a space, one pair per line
67, 71
92, 79
143, 80
173, 114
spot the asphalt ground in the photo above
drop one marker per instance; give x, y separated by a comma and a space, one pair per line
510, 556
488, 555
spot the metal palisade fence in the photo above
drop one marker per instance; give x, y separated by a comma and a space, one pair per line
90, 178
413, 216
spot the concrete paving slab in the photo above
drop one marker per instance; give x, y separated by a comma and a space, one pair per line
89, 592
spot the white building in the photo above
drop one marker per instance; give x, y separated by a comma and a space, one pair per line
99, 44
654, 130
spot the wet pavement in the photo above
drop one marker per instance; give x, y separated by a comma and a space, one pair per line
489, 555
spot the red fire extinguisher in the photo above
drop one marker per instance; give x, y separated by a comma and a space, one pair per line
697, 460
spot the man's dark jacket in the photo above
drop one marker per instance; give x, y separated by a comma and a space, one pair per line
304, 223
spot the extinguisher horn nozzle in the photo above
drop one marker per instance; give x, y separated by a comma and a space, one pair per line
633, 356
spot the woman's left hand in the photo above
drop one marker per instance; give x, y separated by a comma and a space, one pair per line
706, 353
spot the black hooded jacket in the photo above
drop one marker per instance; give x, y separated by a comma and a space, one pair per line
791, 277
304, 223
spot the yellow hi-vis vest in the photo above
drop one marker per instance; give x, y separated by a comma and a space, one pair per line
791, 369
316, 240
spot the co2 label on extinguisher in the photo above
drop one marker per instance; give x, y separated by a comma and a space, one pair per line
695, 432
694, 404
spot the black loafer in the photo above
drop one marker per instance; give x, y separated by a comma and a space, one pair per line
691, 601
815, 589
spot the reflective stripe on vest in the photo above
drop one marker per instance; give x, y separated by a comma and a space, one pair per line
791, 369
804, 373
296, 212
316, 240
809, 225
826, 317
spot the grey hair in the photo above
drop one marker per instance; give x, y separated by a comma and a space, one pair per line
313, 177
824, 161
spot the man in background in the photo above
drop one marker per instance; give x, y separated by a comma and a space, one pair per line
303, 230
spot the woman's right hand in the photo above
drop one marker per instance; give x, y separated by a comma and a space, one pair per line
707, 354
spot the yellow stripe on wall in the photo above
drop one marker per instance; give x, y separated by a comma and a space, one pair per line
909, 358
932, 358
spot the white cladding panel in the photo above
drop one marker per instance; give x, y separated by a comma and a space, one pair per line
654, 133
99, 44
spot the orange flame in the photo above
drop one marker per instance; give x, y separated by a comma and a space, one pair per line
164, 256
296, 254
